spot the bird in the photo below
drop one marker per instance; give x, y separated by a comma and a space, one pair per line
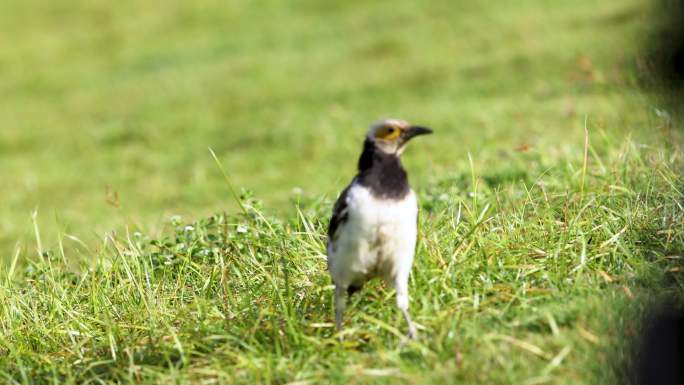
374, 225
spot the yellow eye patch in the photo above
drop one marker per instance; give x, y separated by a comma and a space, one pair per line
387, 133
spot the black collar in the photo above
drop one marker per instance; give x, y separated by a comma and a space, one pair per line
382, 173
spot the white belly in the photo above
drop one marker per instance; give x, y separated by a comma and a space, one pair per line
378, 238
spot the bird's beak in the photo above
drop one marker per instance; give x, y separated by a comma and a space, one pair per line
415, 131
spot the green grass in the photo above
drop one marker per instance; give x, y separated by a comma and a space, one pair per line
535, 262
100, 101
537, 281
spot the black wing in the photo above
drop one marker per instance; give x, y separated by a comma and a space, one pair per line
340, 213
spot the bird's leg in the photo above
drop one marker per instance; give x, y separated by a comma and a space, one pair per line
401, 287
340, 305
412, 334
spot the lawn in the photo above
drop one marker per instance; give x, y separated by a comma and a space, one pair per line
550, 193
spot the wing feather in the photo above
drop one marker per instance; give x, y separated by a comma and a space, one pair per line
339, 216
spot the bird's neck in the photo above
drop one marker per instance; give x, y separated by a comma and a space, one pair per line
382, 173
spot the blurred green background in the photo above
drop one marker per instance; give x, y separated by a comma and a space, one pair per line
108, 108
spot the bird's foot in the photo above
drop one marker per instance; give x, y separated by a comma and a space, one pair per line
412, 333
411, 336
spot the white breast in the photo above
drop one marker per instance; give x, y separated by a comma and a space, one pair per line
378, 238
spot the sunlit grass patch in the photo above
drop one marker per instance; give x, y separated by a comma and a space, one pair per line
537, 279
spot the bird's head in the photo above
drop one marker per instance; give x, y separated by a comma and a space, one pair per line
391, 135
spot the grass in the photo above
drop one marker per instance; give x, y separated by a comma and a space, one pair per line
551, 192
521, 282
107, 118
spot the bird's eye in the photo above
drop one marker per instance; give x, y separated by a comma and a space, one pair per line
387, 133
